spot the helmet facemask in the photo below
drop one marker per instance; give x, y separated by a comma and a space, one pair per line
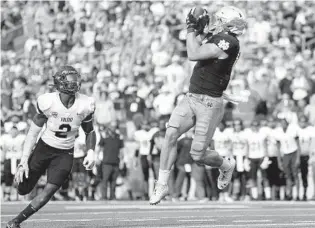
65, 82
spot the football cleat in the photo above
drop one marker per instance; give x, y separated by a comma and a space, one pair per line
13, 224
159, 192
226, 176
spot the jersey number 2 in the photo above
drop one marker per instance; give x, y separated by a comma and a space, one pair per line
63, 134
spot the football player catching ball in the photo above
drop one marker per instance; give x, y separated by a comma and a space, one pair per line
215, 53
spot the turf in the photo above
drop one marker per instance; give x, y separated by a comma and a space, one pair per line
167, 214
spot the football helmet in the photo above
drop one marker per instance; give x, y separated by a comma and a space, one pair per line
67, 80
228, 18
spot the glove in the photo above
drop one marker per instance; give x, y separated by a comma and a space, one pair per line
89, 160
265, 163
202, 21
22, 170
191, 22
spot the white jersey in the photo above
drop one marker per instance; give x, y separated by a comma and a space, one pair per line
272, 144
12, 147
306, 137
222, 142
288, 139
143, 138
63, 123
256, 144
239, 143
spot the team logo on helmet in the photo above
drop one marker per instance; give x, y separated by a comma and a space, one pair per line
64, 84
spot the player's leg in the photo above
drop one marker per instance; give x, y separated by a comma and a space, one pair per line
58, 172
7, 179
181, 120
288, 175
179, 181
304, 174
209, 113
37, 163
254, 164
267, 188
115, 174
106, 174
313, 178
198, 174
145, 170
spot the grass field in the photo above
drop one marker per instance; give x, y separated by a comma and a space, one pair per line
167, 214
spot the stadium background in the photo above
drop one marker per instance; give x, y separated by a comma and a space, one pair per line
126, 48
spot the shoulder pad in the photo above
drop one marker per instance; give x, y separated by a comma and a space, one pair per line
45, 101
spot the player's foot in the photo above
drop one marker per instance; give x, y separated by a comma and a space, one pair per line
226, 176
159, 192
13, 224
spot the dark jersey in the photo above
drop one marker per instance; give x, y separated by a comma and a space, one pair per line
212, 76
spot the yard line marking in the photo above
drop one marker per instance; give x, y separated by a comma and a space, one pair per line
243, 225
260, 220
196, 220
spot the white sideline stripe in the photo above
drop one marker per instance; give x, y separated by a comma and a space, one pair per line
137, 220
196, 220
155, 207
240, 221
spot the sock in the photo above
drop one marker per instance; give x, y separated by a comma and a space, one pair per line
254, 192
268, 192
164, 175
25, 214
225, 165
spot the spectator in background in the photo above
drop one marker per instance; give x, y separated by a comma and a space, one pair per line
310, 110
143, 137
183, 164
305, 136
79, 173
164, 103
223, 145
286, 82
156, 146
111, 143
285, 109
290, 149
104, 112
11, 146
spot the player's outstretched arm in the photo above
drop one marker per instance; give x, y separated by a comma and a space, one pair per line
87, 126
36, 126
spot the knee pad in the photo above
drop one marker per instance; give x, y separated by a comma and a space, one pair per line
197, 151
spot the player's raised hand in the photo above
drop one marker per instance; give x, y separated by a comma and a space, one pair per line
191, 21
22, 170
89, 160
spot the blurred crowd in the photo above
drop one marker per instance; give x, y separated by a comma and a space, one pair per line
132, 58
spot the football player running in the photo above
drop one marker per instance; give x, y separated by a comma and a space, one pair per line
216, 53
62, 112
